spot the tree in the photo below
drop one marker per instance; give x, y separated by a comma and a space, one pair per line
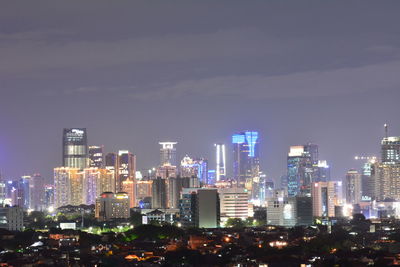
235, 223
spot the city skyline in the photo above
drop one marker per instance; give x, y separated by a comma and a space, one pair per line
144, 76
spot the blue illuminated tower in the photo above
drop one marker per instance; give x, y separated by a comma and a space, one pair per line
246, 160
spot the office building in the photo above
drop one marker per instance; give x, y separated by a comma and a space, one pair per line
159, 193
323, 172
166, 171
168, 153
390, 150
126, 168
49, 196
289, 211
353, 187
234, 203
96, 181
246, 161
128, 186
211, 177
220, 168
197, 168
12, 218
143, 190
37, 192
300, 170
325, 196
110, 206
200, 208
75, 148
68, 187
387, 181
23, 192
96, 156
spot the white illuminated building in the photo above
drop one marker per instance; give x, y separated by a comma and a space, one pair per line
281, 211
220, 170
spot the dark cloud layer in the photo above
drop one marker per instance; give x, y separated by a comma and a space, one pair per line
136, 72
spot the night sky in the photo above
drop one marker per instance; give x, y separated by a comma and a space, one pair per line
138, 72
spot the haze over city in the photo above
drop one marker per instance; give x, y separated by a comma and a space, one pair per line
135, 74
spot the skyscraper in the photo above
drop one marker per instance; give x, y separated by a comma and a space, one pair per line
75, 148
168, 153
194, 168
37, 192
126, 168
68, 186
200, 208
246, 162
390, 149
353, 187
220, 168
300, 171
96, 156
325, 196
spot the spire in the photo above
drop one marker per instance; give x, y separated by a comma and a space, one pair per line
386, 130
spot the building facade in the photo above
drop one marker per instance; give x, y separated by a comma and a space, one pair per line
75, 148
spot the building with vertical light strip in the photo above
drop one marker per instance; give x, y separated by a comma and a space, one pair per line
126, 168
220, 168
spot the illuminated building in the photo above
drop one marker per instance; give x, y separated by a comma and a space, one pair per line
325, 196
12, 193
111, 206
281, 211
143, 190
194, 168
220, 168
390, 150
200, 208
23, 198
300, 171
289, 211
353, 187
96, 181
49, 196
12, 218
75, 148
105, 181
234, 203
2, 193
246, 162
37, 192
68, 187
126, 168
168, 153
323, 172
166, 171
96, 156
211, 177
128, 186
387, 181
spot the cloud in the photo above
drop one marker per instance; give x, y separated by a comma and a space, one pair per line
36, 51
302, 84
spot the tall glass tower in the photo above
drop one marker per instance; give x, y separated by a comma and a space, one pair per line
75, 148
246, 160
168, 153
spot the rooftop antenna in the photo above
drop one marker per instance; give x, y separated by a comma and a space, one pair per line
386, 130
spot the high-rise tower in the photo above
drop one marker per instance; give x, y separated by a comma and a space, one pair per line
246, 161
220, 169
168, 153
75, 148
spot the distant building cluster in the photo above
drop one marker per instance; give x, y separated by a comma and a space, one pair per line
197, 192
